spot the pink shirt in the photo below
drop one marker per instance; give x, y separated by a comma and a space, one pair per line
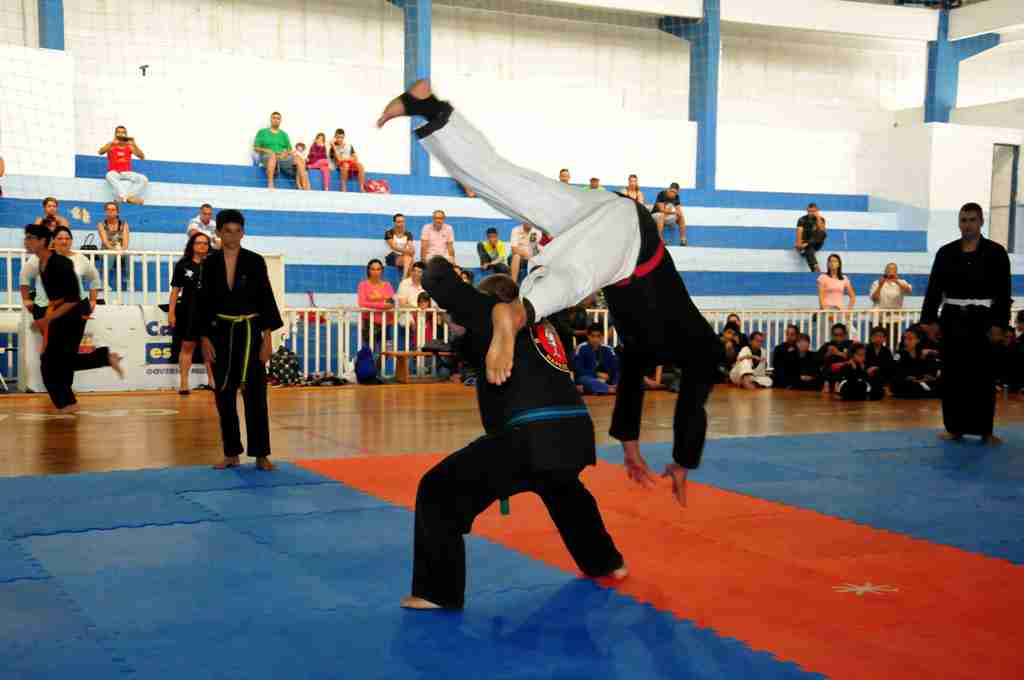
832, 290
437, 241
375, 297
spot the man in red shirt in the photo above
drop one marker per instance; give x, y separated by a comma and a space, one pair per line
127, 185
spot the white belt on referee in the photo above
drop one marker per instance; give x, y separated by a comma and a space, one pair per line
958, 302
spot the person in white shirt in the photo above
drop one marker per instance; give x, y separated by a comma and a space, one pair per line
889, 290
525, 244
409, 292
203, 223
751, 368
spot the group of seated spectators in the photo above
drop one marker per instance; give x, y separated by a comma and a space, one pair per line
857, 371
274, 150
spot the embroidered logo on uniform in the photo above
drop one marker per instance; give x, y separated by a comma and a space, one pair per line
189, 273
548, 345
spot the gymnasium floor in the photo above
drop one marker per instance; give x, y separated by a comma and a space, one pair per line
821, 540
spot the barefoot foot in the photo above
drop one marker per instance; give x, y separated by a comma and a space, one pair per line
115, 363
396, 108
263, 463
413, 602
950, 437
69, 410
228, 462
992, 440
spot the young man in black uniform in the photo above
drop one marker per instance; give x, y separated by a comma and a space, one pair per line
237, 313
600, 240
62, 323
971, 280
539, 437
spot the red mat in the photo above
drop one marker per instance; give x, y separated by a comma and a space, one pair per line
785, 580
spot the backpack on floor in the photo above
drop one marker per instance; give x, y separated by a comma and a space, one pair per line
284, 367
366, 367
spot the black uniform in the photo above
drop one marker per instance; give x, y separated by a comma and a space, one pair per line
968, 392
234, 319
856, 385
808, 365
881, 359
539, 437
658, 324
915, 376
64, 333
188, 278
785, 365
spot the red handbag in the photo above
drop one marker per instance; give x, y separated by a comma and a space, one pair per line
378, 186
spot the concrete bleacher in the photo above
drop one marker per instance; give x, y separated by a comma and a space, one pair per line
740, 242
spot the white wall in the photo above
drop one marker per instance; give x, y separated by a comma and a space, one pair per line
961, 172
1001, 114
837, 16
37, 127
993, 76
217, 70
552, 93
893, 168
984, 17
19, 23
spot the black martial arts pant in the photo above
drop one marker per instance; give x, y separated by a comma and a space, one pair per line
968, 375
61, 358
464, 484
810, 251
858, 389
228, 368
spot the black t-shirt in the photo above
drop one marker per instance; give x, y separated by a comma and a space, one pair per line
808, 225
59, 279
663, 198
187, 277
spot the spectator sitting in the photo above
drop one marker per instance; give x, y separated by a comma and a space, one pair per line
832, 285
915, 375
526, 243
1001, 354
301, 179
889, 290
50, 206
276, 154
808, 365
437, 238
346, 159
400, 244
730, 346
751, 368
426, 320
878, 358
596, 365
669, 210
114, 235
633, 190
374, 293
409, 292
784, 359
855, 383
737, 324
127, 185
466, 276
316, 159
595, 185
203, 223
493, 253
563, 176
834, 354
1016, 380
810, 236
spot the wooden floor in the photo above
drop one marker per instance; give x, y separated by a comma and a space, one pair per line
161, 429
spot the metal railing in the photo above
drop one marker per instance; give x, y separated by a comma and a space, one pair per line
126, 277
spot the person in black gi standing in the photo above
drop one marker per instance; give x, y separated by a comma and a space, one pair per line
62, 323
970, 279
236, 316
539, 437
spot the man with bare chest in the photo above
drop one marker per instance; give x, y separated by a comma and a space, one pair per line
237, 314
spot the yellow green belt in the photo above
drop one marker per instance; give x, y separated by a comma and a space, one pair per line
235, 320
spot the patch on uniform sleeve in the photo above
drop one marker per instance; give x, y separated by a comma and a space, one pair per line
546, 341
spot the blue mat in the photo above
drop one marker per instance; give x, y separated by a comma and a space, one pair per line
190, 573
960, 494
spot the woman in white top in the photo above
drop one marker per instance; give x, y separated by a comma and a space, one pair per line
401, 247
888, 291
751, 368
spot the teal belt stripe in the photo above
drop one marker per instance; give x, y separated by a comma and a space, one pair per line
542, 414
